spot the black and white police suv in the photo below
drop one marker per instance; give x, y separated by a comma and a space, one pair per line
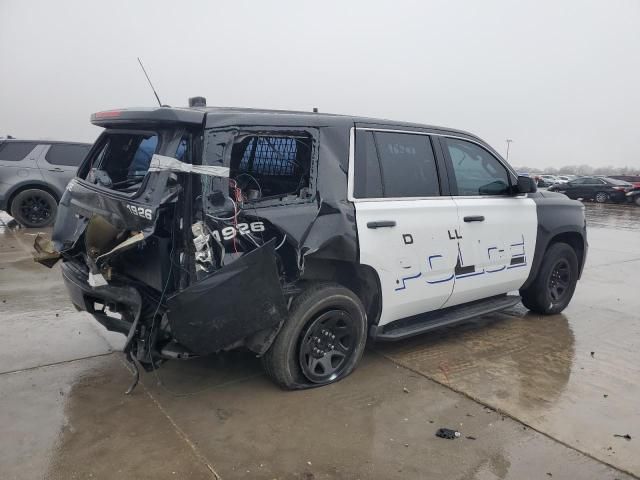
298, 235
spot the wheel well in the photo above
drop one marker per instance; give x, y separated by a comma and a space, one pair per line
33, 186
575, 241
360, 279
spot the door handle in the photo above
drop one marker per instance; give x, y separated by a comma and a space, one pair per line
56, 170
381, 224
474, 218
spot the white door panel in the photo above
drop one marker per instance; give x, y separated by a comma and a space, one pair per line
494, 254
415, 258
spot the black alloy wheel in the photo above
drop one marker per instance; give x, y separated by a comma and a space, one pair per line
327, 345
322, 339
34, 208
559, 281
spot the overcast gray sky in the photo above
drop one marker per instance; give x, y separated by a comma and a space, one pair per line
561, 78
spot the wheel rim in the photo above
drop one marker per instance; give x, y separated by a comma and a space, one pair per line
35, 209
559, 281
327, 345
601, 197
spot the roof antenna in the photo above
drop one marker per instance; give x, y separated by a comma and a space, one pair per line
149, 80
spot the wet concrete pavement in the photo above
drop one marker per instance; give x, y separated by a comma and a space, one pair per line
64, 415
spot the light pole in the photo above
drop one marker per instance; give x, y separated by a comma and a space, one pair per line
508, 145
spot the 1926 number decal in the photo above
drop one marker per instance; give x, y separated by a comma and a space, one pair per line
140, 211
227, 233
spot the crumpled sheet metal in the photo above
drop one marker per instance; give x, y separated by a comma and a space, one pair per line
45, 252
236, 301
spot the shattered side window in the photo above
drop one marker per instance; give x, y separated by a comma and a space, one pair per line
270, 165
270, 156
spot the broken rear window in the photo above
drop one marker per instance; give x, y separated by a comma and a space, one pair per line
123, 158
271, 165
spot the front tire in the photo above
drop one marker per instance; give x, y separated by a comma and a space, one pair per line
34, 208
322, 340
552, 289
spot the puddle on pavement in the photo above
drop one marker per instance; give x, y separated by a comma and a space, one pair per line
540, 370
107, 434
620, 217
526, 360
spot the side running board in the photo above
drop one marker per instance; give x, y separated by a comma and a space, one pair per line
408, 327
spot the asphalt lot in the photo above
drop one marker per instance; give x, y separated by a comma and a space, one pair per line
540, 397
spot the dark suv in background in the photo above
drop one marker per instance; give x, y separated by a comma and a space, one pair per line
33, 176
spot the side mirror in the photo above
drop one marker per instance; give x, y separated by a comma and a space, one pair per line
526, 185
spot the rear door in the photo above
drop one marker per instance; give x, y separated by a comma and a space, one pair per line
60, 162
17, 165
406, 222
496, 230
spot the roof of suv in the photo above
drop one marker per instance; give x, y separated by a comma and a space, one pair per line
43, 142
219, 116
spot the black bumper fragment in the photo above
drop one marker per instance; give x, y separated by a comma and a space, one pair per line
125, 300
231, 304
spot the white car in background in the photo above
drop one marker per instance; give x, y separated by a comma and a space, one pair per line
549, 178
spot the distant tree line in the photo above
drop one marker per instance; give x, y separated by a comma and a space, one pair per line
582, 170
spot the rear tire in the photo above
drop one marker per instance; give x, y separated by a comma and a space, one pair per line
552, 289
637, 200
34, 208
322, 340
601, 197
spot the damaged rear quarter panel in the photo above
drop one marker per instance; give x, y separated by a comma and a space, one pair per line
230, 304
82, 200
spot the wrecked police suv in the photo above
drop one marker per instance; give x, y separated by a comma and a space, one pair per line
298, 235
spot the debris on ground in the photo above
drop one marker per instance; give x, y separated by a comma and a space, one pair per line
605, 395
626, 436
470, 437
593, 354
447, 433
405, 389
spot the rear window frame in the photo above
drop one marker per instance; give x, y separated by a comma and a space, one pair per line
167, 134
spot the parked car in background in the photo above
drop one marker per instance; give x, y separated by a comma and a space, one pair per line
543, 183
549, 178
33, 176
632, 179
634, 196
563, 179
599, 189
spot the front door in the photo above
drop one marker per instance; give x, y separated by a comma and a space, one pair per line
497, 230
404, 223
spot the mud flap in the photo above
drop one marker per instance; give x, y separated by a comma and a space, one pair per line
229, 305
